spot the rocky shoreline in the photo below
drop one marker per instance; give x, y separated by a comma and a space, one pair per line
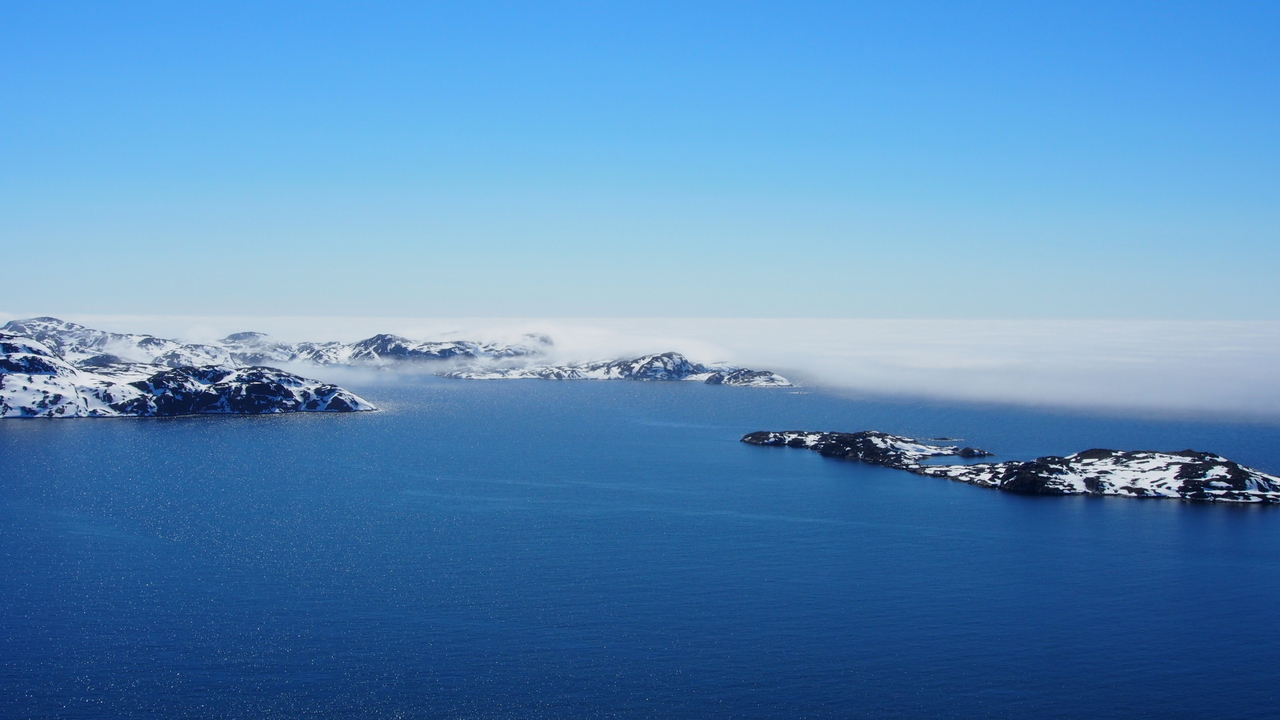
1184, 474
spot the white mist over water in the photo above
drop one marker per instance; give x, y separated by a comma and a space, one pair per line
1214, 367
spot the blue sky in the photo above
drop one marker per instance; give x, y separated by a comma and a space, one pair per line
927, 160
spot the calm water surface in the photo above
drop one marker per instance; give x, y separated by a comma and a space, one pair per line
534, 549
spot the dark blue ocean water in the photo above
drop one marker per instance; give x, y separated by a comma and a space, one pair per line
535, 549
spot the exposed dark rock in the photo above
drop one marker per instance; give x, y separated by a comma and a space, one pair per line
103, 360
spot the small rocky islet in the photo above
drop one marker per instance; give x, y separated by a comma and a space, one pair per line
1184, 474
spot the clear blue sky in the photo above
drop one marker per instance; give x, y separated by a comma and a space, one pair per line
642, 159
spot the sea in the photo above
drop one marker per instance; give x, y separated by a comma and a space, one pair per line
532, 549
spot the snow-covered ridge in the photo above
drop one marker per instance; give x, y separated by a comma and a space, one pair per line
35, 381
1185, 474
78, 343
101, 351
659, 367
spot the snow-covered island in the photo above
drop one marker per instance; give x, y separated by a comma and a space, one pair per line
660, 367
1185, 474
55, 368
36, 381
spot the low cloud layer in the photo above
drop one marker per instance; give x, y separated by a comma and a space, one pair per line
1221, 368
1230, 368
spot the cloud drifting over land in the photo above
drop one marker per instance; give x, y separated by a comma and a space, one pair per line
1221, 368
